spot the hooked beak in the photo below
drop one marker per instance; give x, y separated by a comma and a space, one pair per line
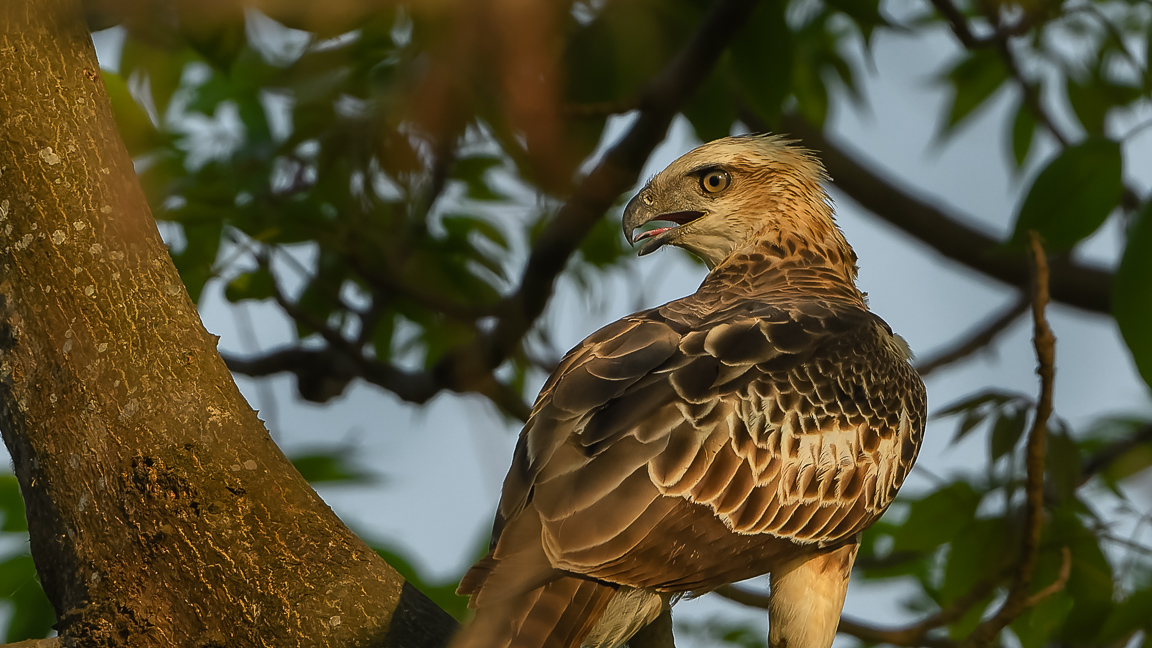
638, 213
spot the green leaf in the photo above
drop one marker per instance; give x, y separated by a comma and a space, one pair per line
473, 171
163, 66
1023, 130
136, 128
974, 79
1093, 99
1091, 581
442, 594
1006, 432
32, 615
710, 109
978, 551
811, 95
12, 516
1132, 293
332, 466
762, 60
1129, 616
1063, 464
937, 518
1073, 195
257, 284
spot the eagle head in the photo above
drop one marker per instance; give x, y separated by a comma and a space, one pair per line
732, 192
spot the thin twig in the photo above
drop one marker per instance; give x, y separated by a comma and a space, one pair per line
913, 635
469, 367
1059, 583
963, 33
1105, 456
1017, 600
959, 25
1031, 93
980, 337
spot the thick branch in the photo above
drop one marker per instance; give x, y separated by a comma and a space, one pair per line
1017, 600
1072, 283
976, 339
160, 512
616, 173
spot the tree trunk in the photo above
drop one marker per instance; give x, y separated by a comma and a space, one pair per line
160, 511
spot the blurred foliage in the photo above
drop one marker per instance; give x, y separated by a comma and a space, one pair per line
380, 171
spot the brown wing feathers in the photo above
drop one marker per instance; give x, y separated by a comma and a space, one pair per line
759, 423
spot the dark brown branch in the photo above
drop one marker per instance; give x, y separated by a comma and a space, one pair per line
1031, 92
976, 339
1072, 283
1058, 584
911, 636
959, 25
1103, 458
1017, 600
470, 367
616, 173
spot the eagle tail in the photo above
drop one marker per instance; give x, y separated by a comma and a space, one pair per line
559, 614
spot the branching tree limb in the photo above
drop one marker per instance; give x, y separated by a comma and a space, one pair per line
911, 636
1104, 457
1072, 283
469, 368
1018, 600
978, 338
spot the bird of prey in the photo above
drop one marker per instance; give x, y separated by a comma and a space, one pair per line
754, 427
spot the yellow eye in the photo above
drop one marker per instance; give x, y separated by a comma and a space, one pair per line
715, 181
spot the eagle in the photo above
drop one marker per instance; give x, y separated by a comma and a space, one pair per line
756, 426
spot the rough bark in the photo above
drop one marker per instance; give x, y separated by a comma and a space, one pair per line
160, 511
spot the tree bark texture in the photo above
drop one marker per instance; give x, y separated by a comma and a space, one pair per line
160, 511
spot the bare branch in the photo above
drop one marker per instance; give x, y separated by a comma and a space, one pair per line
1031, 92
911, 636
1059, 583
978, 338
1072, 283
1105, 456
959, 25
1017, 600
963, 32
616, 173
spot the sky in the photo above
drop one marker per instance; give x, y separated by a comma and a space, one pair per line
440, 466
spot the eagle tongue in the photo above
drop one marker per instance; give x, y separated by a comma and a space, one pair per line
654, 240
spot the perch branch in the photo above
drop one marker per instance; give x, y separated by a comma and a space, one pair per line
1070, 282
1018, 600
980, 337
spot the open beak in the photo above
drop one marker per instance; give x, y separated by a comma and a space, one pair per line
638, 213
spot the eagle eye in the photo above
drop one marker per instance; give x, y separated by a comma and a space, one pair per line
715, 181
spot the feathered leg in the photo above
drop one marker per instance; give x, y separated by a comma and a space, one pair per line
807, 597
